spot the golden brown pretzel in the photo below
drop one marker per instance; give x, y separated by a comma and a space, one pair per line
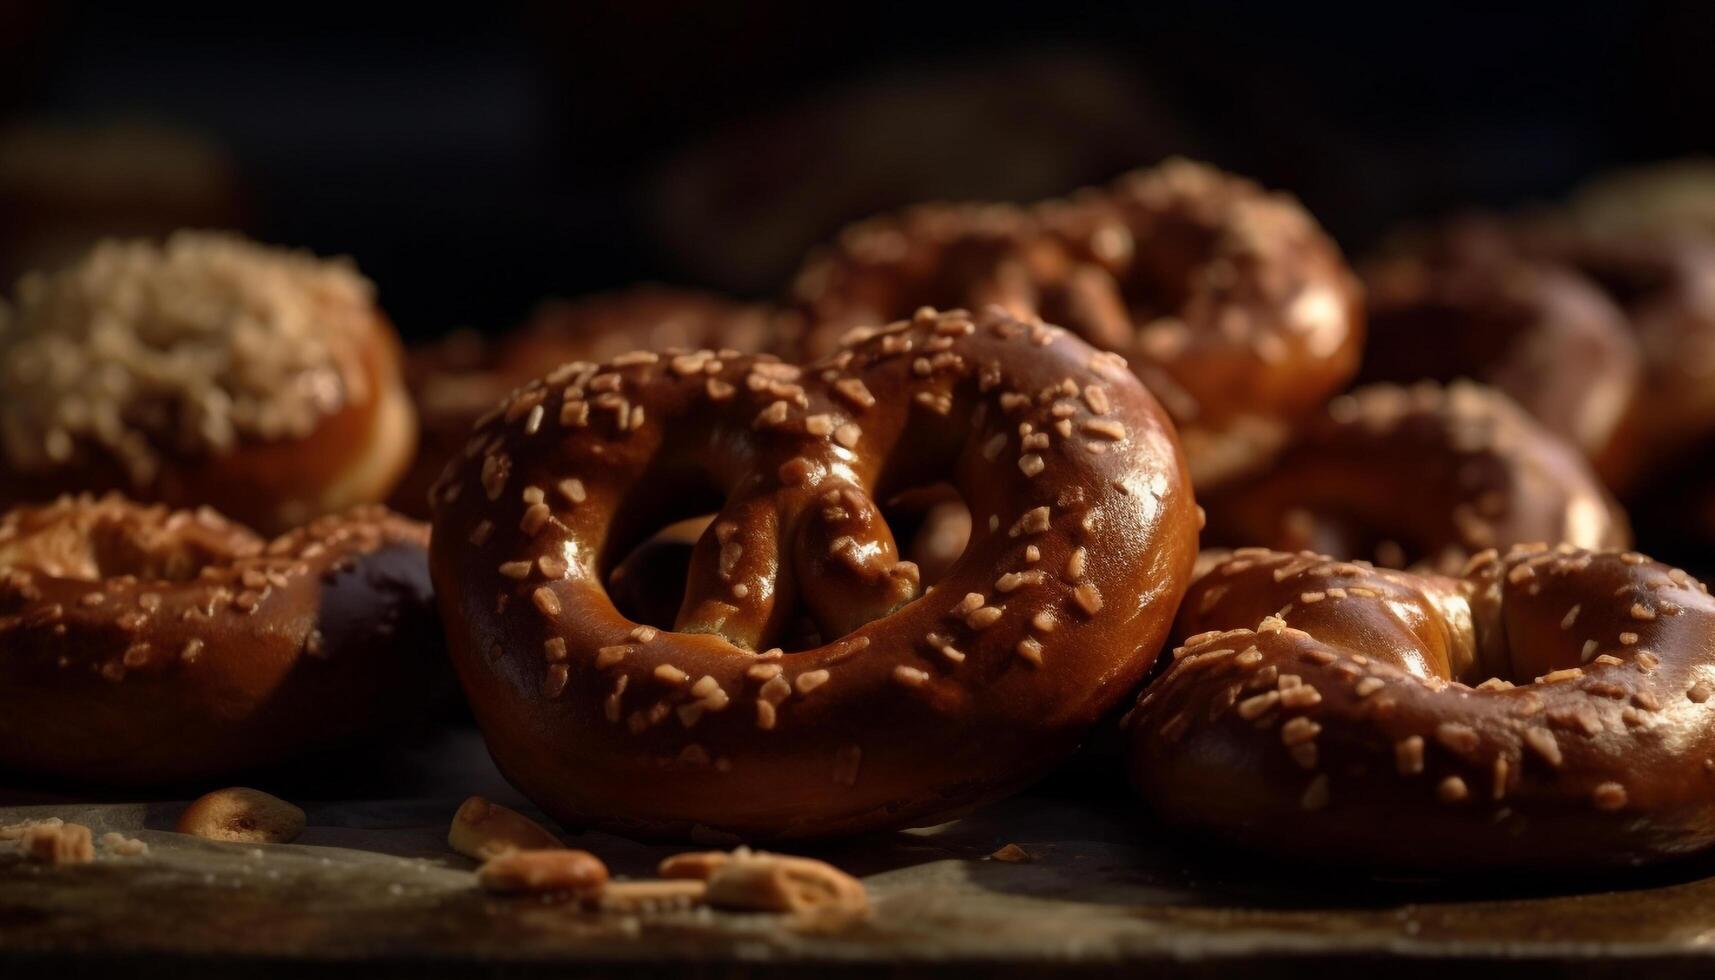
208, 371
459, 378
1463, 303
140, 645
1425, 473
1548, 708
918, 705
1229, 301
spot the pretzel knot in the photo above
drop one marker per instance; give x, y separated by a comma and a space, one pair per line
142, 645
917, 702
1545, 708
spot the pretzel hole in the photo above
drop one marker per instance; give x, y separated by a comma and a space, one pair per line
1349, 534
648, 582
933, 526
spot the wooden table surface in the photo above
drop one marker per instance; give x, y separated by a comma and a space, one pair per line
371, 889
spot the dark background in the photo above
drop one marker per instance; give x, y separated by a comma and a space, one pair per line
474, 162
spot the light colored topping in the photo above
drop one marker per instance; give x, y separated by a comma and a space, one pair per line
1543, 743
1088, 598
765, 714
1075, 563
1368, 686
554, 649
1298, 729
854, 391
191, 347
1408, 755
774, 415
1034, 521
1456, 736
608, 656
546, 601
910, 676
1255, 707
1097, 400
1452, 790
1111, 429
669, 674
1570, 617
1609, 796
1556, 676
982, 619
776, 690
810, 680
554, 681
1030, 649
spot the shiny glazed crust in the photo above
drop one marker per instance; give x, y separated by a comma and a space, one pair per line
920, 704
1234, 307
1544, 709
1424, 473
140, 645
453, 382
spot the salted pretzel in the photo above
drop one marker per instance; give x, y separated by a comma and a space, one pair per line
1462, 302
1230, 302
206, 371
1424, 473
1547, 708
915, 704
141, 645
456, 380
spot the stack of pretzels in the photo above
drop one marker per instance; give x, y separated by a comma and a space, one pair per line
899, 544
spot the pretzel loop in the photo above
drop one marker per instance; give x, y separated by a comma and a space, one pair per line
804, 653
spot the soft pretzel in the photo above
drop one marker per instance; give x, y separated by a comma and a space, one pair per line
917, 704
1546, 708
1665, 283
457, 379
1463, 303
207, 371
1424, 473
141, 645
1229, 301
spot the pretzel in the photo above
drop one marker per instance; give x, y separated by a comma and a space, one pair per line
1425, 473
457, 379
142, 646
1665, 283
916, 704
208, 371
1230, 303
1545, 708
1461, 302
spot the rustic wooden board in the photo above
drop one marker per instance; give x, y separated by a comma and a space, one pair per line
371, 888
